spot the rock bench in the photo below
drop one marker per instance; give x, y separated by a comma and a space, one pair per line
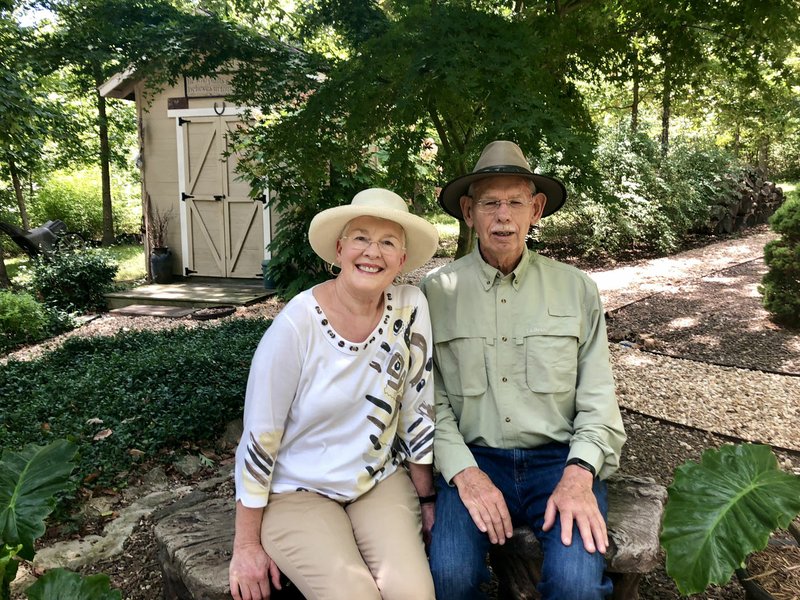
195, 537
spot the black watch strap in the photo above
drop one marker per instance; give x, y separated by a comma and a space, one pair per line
427, 499
582, 464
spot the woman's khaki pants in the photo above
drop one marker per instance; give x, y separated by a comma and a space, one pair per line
368, 549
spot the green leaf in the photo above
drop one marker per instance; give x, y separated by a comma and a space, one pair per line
60, 584
721, 510
8, 569
29, 481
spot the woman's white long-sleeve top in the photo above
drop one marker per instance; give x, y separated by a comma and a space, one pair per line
332, 416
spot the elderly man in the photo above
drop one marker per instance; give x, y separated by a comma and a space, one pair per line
527, 423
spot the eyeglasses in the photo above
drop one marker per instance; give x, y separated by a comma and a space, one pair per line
389, 246
492, 206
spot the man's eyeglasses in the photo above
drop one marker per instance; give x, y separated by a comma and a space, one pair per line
492, 206
388, 246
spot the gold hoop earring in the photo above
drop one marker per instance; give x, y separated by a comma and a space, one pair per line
331, 268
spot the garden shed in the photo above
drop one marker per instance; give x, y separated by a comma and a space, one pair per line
215, 226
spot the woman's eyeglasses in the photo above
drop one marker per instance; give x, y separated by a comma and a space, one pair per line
388, 246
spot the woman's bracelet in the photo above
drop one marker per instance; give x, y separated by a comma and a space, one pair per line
427, 499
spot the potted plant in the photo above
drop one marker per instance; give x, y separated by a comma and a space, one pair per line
160, 254
721, 510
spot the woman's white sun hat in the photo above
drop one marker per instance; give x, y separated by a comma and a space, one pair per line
326, 228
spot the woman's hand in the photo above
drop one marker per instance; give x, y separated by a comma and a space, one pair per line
251, 571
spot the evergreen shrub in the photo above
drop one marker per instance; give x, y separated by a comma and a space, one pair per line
780, 286
74, 281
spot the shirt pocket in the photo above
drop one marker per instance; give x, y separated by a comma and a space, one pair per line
551, 354
462, 365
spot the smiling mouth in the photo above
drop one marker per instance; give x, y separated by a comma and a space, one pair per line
503, 233
369, 269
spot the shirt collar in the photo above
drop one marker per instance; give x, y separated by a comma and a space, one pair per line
488, 274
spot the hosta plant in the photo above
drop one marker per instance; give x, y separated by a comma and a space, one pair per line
721, 510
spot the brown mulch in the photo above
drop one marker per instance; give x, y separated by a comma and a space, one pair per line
670, 305
777, 570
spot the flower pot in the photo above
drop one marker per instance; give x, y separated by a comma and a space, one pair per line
161, 265
752, 589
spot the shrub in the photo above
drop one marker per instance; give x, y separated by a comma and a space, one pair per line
780, 286
75, 197
145, 391
24, 320
647, 201
74, 281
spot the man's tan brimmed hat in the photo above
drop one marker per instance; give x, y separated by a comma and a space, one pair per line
502, 158
326, 227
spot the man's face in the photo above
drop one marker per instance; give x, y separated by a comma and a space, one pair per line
502, 210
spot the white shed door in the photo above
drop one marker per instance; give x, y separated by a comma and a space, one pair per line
224, 225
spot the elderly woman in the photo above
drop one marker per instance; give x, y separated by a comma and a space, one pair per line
333, 473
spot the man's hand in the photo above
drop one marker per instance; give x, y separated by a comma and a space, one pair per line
574, 500
485, 504
250, 571
428, 511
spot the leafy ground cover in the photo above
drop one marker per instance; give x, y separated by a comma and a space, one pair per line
129, 396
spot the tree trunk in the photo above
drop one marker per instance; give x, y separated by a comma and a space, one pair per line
666, 102
5, 282
635, 102
23, 212
465, 240
763, 155
105, 169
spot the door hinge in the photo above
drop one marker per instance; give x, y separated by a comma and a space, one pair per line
185, 197
219, 197
181, 121
187, 271
262, 198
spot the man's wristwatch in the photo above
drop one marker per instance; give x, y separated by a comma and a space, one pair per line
582, 464
428, 499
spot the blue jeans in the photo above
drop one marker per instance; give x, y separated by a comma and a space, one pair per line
526, 478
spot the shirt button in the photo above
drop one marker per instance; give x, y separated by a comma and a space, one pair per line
508, 419
505, 339
503, 301
505, 379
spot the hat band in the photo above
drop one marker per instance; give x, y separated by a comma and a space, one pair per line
503, 169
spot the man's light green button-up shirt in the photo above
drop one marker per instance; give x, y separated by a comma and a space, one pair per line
520, 361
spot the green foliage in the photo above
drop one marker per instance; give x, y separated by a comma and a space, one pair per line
645, 201
74, 281
60, 584
22, 319
721, 510
29, 481
781, 284
8, 568
75, 197
152, 390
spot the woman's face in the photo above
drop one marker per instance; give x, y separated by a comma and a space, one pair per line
371, 253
